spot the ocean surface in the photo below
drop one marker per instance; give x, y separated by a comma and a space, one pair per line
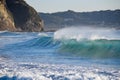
67, 54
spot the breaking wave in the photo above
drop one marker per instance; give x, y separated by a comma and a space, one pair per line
81, 42
89, 42
87, 34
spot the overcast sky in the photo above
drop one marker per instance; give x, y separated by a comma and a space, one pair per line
76, 5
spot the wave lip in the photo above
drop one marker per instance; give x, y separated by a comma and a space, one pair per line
86, 34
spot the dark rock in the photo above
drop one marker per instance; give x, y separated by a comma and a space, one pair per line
23, 16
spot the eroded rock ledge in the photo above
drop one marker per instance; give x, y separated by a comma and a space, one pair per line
17, 15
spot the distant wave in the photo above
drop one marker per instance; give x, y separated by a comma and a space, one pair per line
3, 31
6, 33
3, 58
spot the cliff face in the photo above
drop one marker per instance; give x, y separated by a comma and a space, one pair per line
6, 20
18, 15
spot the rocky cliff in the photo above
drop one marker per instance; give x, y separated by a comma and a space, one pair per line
17, 15
6, 20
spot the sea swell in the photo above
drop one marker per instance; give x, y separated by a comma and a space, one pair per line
63, 45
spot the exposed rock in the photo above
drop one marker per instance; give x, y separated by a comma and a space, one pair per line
17, 14
6, 20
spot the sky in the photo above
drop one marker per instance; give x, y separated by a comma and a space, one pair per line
50, 6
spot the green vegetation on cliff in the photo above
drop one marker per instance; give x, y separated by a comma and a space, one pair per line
105, 18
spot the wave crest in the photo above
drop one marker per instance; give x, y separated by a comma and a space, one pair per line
87, 34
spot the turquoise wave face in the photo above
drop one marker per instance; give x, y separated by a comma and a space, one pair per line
89, 42
91, 48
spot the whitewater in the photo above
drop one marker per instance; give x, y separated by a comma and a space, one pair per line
67, 54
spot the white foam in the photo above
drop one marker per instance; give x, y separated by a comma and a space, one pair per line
38, 71
87, 33
3, 31
42, 34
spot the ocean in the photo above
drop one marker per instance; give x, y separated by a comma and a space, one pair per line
67, 54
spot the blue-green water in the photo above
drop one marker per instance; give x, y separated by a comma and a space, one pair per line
60, 48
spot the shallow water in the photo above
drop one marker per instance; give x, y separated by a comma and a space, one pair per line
60, 55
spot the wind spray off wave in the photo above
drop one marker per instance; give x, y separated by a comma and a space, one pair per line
87, 33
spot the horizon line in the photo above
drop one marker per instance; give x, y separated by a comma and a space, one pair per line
80, 11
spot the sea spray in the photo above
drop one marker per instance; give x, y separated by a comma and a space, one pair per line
87, 33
